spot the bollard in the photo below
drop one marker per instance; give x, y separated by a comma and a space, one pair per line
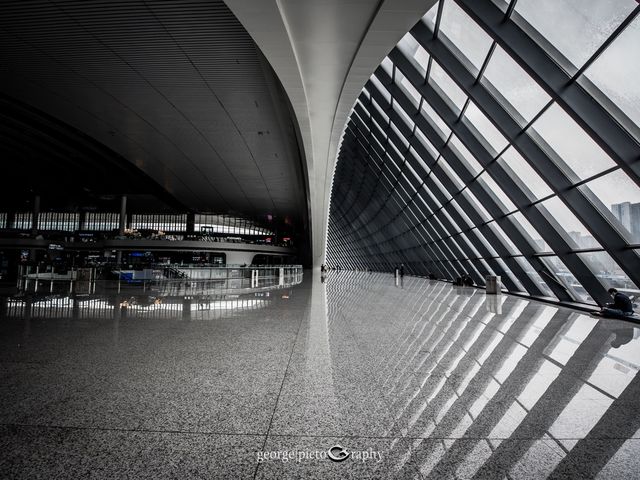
494, 284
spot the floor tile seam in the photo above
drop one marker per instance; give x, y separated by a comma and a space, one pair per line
282, 383
130, 430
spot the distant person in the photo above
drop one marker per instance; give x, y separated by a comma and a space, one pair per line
401, 270
621, 307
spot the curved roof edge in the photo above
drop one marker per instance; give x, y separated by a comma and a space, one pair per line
323, 53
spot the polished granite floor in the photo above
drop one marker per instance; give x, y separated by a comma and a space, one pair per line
427, 379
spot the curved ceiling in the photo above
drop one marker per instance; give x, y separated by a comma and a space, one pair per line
40, 155
323, 52
178, 89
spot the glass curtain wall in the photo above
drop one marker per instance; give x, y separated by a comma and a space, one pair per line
500, 138
162, 222
226, 224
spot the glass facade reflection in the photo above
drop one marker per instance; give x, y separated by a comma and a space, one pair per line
499, 138
495, 386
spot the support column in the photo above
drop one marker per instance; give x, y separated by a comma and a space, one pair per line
11, 219
82, 220
35, 214
122, 224
191, 223
123, 214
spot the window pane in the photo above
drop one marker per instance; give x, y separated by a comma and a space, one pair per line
485, 243
537, 242
427, 192
485, 129
375, 123
465, 155
477, 206
380, 110
451, 174
430, 17
513, 86
567, 279
621, 196
461, 212
465, 35
535, 277
474, 251
608, 272
408, 89
387, 66
381, 88
617, 72
578, 153
402, 141
504, 238
504, 202
417, 55
487, 268
437, 221
440, 186
576, 28
436, 121
453, 224
502, 4
407, 120
427, 144
414, 173
520, 170
555, 210
512, 277
442, 81
422, 205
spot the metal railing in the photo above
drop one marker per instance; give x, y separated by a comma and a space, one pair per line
162, 280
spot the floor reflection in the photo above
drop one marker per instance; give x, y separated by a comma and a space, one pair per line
506, 385
445, 381
137, 306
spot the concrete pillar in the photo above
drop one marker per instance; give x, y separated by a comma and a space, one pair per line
191, 223
36, 214
82, 220
11, 219
122, 224
123, 214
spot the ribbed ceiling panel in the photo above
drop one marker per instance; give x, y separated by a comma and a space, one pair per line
177, 88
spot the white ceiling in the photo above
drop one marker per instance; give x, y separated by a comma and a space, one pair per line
324, 51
